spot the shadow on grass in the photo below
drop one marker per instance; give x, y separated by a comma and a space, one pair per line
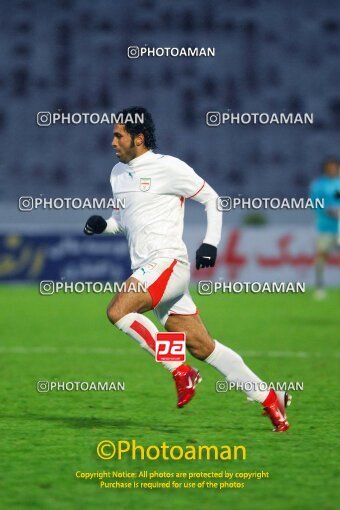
78, 422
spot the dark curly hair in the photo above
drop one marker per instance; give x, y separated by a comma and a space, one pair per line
147, 127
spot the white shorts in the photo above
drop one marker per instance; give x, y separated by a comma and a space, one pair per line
167, 281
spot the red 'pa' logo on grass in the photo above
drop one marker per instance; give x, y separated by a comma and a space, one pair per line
170, 346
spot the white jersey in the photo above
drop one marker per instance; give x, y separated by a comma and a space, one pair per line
154, 188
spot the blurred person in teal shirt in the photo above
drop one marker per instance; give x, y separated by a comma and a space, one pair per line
326, 187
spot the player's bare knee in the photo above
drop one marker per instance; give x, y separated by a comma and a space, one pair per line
114, 313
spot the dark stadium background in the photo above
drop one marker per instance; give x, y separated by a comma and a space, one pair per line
71, 55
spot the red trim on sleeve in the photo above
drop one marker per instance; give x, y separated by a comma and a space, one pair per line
157, 288
198, 190
144, 333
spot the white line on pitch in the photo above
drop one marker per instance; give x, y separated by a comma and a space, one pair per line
109, 350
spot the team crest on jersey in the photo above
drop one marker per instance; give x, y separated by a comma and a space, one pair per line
145, 183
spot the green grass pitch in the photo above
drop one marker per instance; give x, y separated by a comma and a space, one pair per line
47, 437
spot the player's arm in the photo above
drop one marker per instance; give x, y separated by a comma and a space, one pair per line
317, 191
186, 183
334, 210
98, 225
207, 252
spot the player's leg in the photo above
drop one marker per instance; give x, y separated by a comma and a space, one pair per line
126, 308
127, 301
201, 345
320, 260
325, 243
229, 363
174, 298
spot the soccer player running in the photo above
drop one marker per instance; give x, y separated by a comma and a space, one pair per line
155, 188
326, 187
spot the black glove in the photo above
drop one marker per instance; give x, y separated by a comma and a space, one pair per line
95, 225
206, 256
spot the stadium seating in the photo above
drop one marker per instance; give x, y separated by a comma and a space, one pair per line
270, 57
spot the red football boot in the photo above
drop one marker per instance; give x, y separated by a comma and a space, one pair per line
276, 412
186, 380
284, 400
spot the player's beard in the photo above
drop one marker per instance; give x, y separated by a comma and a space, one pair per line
131, 154
128, 154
